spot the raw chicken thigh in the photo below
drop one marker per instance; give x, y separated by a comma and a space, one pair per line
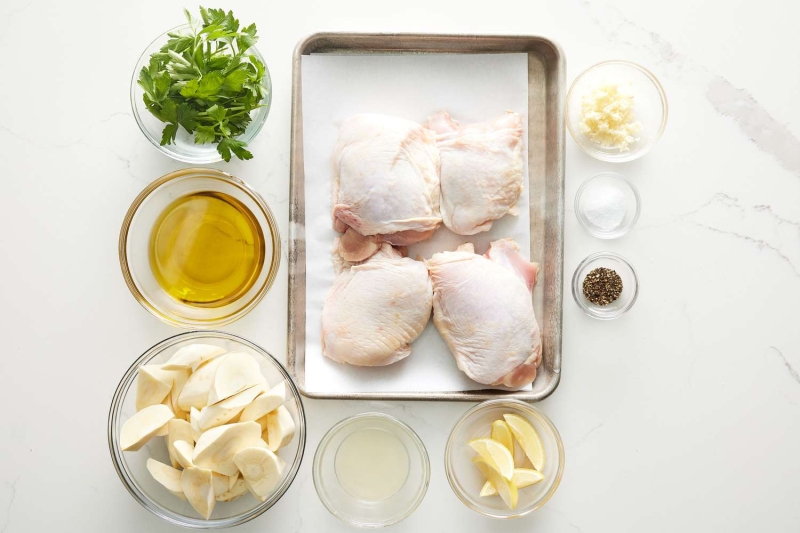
376, 309
385, 184
483, 309
481, 170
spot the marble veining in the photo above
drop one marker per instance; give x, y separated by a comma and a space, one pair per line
13, 490
753, 120
787, 364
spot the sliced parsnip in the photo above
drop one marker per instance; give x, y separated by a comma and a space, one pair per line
216, 447
192, 356
265, 403
280, 428
167, 476
232, 480
165, 429
177, 430
222, 412
238, 489
179, 379
237, 372
261, 470
183, 453
195, 391
152, 386
221, 484
142, 426
263, 423
198, 486
194, 421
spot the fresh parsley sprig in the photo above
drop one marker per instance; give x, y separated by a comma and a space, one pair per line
205, 82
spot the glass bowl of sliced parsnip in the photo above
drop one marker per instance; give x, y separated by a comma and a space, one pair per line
206, 430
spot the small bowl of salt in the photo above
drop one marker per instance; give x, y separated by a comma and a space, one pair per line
607, 205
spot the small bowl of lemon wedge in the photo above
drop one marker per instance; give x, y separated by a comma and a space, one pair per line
504, 459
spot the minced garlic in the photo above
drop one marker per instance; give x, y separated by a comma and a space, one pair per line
607, 116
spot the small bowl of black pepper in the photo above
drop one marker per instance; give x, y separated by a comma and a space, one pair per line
605, 285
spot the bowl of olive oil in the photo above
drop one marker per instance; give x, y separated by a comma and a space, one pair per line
199, 248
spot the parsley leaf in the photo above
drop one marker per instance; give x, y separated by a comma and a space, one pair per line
168, 135
228, 145
204, 81
204, 135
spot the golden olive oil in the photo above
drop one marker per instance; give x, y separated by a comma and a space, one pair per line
206, 249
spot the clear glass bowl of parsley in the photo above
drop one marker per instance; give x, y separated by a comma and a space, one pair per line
201, 92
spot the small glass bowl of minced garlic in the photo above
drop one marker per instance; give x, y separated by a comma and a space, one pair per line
616, 111
605, 285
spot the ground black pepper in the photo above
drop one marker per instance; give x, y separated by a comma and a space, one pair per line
602, 286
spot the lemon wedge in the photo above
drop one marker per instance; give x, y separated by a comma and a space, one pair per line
495, 455
502, 434
528, 439
506, 489
523, 477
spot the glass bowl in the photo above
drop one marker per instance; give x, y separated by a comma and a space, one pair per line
340, 492
630, 285
183, 147
650, 108
596, 194
466, 480
134, 247
131, 466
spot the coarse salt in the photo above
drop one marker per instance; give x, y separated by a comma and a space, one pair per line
604, 206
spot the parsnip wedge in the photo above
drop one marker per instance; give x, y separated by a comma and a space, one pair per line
198, 486
142, 426
261, 470
195, 391
232, 481
179, 379
222, 412
263, 423
237, 372
163, 432
216, 447
178, 430
265, 403
280, 428
192, 356
194, 421
238, 489
152, 386
167, 476
183, 453
221, 484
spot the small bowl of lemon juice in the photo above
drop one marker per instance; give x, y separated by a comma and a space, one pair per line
199, 248
371, 470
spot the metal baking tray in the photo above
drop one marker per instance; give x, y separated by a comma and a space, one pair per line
546, 93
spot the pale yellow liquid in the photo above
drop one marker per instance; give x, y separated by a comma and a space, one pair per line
371, 464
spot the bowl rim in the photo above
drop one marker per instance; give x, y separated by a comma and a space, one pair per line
193, 172
579, 195
631, 155
341, 424
588, 310
154, 507
216, 158
519, 406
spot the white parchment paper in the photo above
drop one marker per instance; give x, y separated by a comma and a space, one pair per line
472, 88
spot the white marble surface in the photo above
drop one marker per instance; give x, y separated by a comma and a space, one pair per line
682, 416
